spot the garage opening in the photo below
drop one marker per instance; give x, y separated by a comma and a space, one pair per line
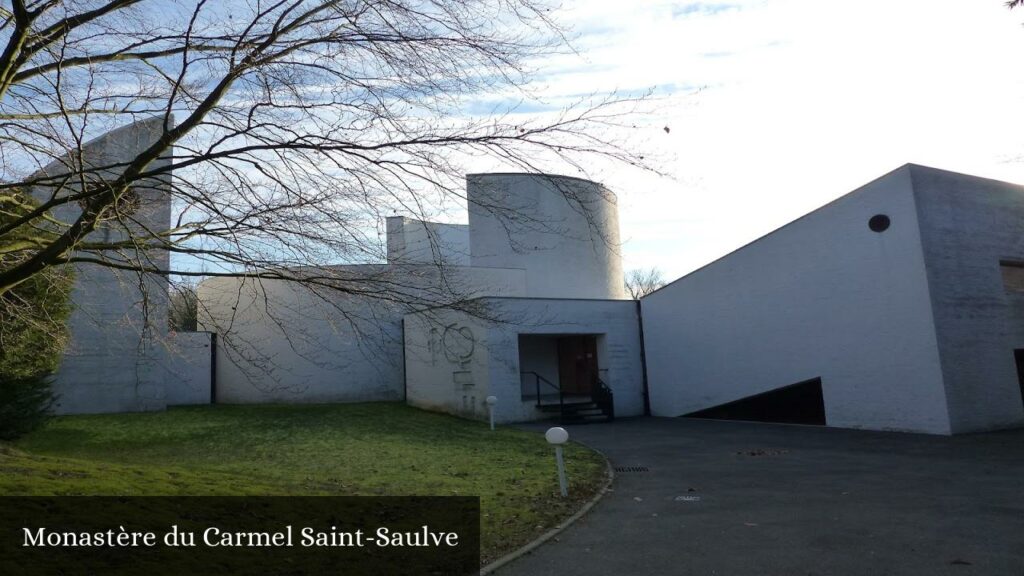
800, 403
1018, 355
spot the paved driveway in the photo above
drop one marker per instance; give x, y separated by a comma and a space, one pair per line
736, 498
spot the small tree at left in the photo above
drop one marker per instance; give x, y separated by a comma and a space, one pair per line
33, 328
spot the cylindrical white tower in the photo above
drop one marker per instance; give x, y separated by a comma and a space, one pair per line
563, 231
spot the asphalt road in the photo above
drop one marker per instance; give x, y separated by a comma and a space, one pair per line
737, 498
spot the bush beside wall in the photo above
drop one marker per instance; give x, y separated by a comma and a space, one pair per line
33, 329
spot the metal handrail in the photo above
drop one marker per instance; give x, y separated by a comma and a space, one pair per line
538, 379
603, 396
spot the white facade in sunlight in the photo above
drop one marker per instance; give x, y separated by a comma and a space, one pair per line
903, 301
120, 356
899, 306
527, 252
455, 361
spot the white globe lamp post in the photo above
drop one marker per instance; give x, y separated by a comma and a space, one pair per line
557, 436
491, 401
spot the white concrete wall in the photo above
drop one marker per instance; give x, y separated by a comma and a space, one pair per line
563, 231
968, 225
430, 375
413, 241
823, 296
446, 363
113, 360
281, 342
615, 323
189, 364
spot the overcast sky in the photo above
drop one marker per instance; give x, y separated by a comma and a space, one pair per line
779, 106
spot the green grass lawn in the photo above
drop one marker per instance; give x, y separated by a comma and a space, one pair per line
338, 449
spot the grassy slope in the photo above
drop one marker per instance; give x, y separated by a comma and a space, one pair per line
362, 449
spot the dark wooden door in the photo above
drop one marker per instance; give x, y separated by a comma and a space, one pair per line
577, 363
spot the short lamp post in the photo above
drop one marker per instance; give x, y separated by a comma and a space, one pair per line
557, 436
491, 401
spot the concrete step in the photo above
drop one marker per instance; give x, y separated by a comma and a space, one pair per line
568, 406
585, 418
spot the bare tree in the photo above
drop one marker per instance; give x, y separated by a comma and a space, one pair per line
183, 308
642, 281
291, 127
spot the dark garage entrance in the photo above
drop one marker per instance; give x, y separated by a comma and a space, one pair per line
1018, 355
800, 403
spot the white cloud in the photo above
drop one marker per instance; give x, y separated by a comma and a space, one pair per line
805, 101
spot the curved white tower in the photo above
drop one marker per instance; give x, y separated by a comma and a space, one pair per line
563, 231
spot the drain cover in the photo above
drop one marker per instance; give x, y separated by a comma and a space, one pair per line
763, 452
631, 469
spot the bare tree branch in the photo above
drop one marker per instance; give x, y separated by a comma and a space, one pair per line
284, 133
641, 282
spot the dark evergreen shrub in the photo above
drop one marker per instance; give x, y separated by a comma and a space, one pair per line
33, 326
24, 405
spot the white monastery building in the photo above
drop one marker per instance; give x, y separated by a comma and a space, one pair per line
899, 306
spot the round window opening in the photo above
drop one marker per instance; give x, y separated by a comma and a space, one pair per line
879, 223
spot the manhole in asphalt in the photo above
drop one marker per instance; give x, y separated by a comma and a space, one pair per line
763, 452
631, 469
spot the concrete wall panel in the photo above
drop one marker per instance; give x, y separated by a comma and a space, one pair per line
447, 362
417, 241
189, 364
563, 231
821, 297
282, 342
968, 225
118, 329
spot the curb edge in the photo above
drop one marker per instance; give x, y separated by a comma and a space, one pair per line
609, 477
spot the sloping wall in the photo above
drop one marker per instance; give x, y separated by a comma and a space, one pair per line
824, 296
113, 362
